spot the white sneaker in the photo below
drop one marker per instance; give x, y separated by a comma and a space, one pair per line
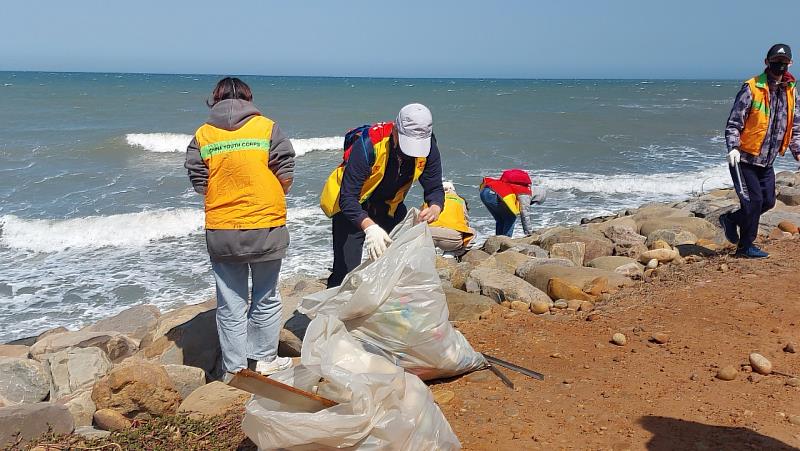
279, 364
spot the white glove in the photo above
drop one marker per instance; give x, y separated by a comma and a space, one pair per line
734, 157
376, 241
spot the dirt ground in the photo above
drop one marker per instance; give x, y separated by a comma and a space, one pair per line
644, 395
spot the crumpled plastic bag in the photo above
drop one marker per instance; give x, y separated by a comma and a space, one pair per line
381, 406
397, 307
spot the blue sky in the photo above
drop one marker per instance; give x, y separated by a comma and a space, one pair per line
524, 39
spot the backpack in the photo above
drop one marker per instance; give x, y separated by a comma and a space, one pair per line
370, 132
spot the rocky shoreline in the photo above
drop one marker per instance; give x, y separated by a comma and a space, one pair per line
143, 363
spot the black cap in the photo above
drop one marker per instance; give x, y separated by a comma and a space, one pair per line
779, 50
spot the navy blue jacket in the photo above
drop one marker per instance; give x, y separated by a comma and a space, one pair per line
399, 171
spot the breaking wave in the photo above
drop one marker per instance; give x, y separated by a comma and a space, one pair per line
177, 142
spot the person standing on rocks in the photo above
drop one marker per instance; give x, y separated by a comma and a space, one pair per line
364, 195
244, 165
763, 123
509, 197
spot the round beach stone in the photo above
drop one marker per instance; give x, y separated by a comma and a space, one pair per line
727, 373
540, 307
660, 337
760, 364
619, 339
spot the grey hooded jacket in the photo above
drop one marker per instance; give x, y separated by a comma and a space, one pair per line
243, 246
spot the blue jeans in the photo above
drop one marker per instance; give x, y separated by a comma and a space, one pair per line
503, 217
247, 331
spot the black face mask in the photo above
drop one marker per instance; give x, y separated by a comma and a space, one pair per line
778, 67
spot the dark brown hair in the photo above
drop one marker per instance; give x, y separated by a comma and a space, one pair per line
230, 88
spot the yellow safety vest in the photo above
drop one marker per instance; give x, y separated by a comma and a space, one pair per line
757, 123
454, 216
380, 135
243, 193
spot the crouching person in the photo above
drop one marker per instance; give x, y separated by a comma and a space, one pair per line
451, 232
244, 165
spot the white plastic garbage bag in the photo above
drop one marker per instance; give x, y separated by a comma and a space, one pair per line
381, 406
397, 307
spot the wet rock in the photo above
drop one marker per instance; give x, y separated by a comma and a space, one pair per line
574, 252
111, 420
727, 373
32, 420
465, 306
619, 339
760, 364
134, 322
138, 390
75, 368
501, 286
116, 345
23, 380
186, 379
213, 399
659, 337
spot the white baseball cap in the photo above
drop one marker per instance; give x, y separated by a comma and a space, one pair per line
414, 125
448, 187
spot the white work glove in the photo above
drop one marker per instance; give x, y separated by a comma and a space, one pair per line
734, 157
376, 241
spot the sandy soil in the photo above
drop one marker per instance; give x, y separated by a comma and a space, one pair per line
644, 395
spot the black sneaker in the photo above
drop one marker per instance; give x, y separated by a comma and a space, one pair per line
751, 252
728, 226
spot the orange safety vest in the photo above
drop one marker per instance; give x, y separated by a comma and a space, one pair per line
757, 123
379, 136
454, 216
243, 193
507, 192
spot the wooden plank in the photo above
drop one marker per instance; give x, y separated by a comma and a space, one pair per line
260, 385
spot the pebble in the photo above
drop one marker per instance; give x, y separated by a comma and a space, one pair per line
760, 364
520, 306
793, 382
619, 339
560, 304
443, 396
723, 267
727, 373
555, 355
511, 412
794, 419
586, 306
694, 377
660, 338
790, 348
540, 307
755, 378
652, 264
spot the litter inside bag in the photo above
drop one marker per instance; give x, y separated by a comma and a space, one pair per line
381, 406
397, 308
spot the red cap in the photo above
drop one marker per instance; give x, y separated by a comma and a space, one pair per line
516, 176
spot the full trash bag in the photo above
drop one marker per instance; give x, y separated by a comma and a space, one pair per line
381, 406
397, 307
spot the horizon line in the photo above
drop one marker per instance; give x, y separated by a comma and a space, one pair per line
364, 76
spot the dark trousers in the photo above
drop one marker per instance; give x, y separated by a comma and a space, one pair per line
504, 219
348, 242
757, 184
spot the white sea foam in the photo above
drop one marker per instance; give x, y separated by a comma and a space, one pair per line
661, 185
122, 230
177, 142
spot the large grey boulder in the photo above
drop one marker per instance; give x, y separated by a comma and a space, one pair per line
772, 218
116, 345
789, 195
530, 250
495, 243
80, 406
597, 245
574, 252
475, 256
186, 336
29, 421
134, 322
705, 206
74, 368
610, 263
787, 178
465, 306
671, 237
501, 286
185, 378
700, 227
23, 380
531, 264
509, 261
657, 212
623, 232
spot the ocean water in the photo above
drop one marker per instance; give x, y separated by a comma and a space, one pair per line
97, 214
